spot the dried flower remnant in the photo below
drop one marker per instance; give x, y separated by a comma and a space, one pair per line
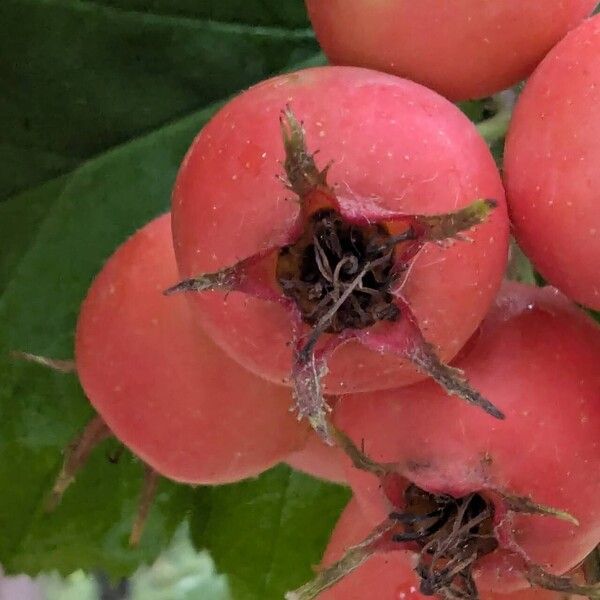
340, 277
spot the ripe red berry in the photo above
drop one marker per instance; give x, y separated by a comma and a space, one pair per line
343, 259
162, 386
460, 48
552, 160
536, 358
389, 575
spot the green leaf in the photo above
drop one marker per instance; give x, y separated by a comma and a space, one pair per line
79, 77
474, 109
99, 91
290, 14
267, 533
91, 526
21, 218
54, 239
519, 266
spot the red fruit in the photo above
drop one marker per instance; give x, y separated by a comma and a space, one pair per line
164, 389
460, 48
536, 357
388, 575
319, 460
396, 149
552, 160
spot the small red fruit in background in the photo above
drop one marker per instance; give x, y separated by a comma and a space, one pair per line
162, 386
552, 160
460, 48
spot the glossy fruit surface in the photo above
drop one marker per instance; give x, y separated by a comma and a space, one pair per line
552, 160
164, 389
394, 146
536, 359
460, 48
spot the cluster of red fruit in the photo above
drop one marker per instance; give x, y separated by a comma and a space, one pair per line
340, 284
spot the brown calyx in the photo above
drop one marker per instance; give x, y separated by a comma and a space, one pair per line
340, 273
450, 535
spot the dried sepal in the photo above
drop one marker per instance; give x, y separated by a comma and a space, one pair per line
147, 495
538, 577
404, 338
352, 559
452, 225
521, 504
252, 276
310, 404
302, 174
359, 459
452, 380
224, 280
56, 364
591, 566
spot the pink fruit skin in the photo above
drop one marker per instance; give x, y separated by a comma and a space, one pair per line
389, 575
395, 146
552, 161
319, 460
460, 48
536, 358
164, 389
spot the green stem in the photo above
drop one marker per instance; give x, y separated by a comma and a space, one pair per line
519, 267
495, 128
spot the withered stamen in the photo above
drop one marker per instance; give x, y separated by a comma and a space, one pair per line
451, 534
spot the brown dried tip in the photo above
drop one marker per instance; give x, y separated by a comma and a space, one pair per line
439, 228
77, 453
59, 365
308, 394
524, 505
452, 380
359, 459
149, 487
225, 280
540, 578
301, 171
